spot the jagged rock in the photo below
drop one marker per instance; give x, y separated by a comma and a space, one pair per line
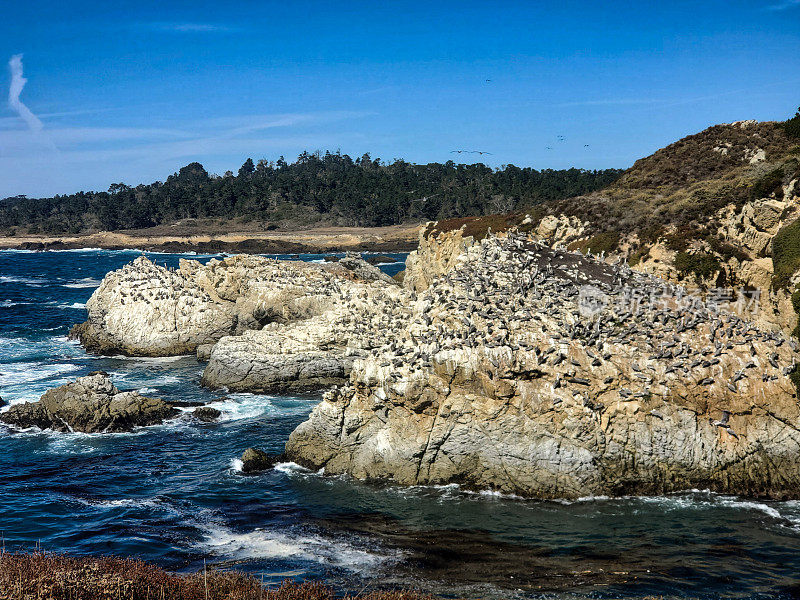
255, 460
380, 259
560, 230
147, 310
90, 404
204, 352
206, 414
312, 353
751, 229
434, 257
548, 374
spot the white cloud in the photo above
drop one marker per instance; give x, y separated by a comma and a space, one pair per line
191, 27
784, 5
15, 89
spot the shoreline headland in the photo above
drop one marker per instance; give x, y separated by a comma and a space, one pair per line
315, 240
500, 364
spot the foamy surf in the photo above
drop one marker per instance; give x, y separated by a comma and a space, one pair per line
243, 406
29, 372
85, 283
264, 544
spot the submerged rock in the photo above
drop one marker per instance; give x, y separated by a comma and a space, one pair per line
255, 460
545, 373
206, 414
380, 259
90, 404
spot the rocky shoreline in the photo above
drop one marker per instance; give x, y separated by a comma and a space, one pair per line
500, 364
91, 404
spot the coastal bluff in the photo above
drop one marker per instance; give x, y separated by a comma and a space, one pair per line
502, 363
546, 373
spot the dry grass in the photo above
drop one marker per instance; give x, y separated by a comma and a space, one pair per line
479, 227
44, 576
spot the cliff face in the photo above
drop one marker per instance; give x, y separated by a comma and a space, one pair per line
750, 229
548, 374
147, 310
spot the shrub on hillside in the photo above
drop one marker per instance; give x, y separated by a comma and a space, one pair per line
792, 126
769, 183
701, 264
786, 254
603, 242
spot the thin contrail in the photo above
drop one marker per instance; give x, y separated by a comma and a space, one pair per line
17, 83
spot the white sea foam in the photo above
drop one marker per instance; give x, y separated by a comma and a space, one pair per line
291, 468
86, 282
29, 372
154, 360
267, 544
236, 465
750, 505
244, 406
148, 503
74, 305
21, 280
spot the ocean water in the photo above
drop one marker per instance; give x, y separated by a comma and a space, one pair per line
172, 494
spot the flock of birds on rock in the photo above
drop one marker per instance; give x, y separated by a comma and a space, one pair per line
513, 306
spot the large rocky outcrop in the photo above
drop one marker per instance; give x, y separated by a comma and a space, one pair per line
90, 404
548, 374
435, 256
147, 310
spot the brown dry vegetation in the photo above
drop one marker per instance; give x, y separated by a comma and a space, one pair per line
687, 182
43, 576
479, 227
678, 188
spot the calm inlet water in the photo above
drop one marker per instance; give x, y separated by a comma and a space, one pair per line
172, 494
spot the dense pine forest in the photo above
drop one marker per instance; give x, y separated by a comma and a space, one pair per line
317, 188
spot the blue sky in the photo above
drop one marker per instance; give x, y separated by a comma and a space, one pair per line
131, 91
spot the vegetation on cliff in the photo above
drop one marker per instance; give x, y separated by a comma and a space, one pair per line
792, 126
332, 188
686, 183
786, 254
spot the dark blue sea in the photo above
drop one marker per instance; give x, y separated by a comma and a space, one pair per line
172, 494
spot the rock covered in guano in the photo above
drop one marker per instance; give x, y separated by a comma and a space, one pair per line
145, 309
544, 373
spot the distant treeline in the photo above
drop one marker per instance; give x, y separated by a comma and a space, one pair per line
333, 188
